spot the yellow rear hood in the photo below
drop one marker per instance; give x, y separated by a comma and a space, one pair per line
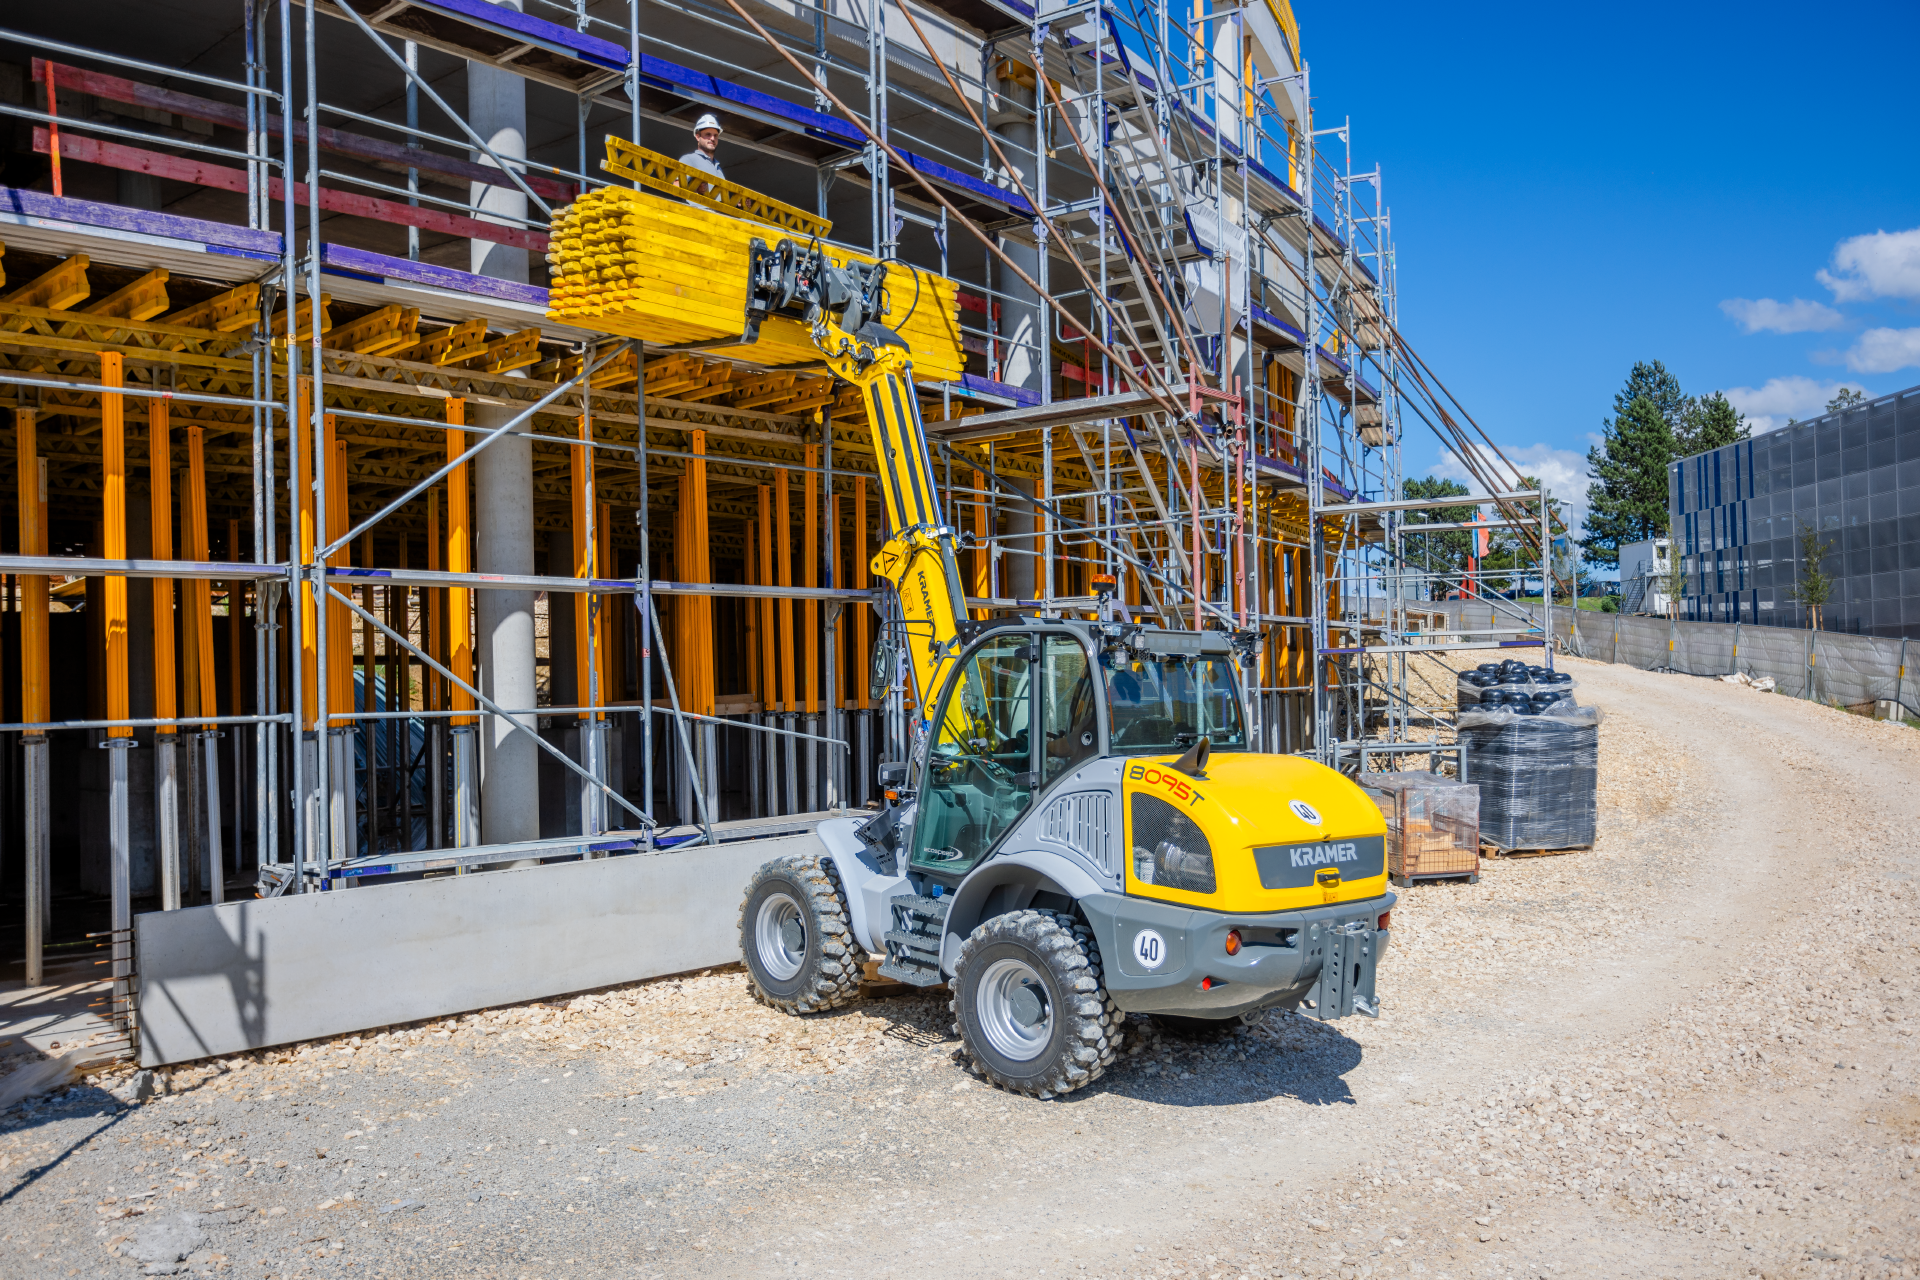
1246, 802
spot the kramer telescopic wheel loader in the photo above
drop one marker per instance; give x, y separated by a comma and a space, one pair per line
1081, 831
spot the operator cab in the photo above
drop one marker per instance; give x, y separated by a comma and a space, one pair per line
1032, 701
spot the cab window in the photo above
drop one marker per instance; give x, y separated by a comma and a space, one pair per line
979, 772
1163, 705
1067, 722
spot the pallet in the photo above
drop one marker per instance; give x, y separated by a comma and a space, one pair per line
1489, 850
1402, 882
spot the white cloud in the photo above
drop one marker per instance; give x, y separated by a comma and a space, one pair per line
1562, 471
1768, 407
1885, 264
1764, 315
1884, 350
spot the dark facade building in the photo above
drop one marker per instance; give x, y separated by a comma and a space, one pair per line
1853, 475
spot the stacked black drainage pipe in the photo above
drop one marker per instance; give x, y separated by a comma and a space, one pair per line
1535, 754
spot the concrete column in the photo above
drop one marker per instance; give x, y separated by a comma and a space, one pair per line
503, 529
1020, 315
503, 494
1018, 567
497, 110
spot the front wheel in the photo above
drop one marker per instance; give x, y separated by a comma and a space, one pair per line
1029, 1004
801, 955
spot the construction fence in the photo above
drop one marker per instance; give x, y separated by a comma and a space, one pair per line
1826, 666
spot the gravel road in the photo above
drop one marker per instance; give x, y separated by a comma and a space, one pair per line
1686, 1053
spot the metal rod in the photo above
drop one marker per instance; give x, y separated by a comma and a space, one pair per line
488, 703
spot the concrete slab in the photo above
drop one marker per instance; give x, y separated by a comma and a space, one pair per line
244, 975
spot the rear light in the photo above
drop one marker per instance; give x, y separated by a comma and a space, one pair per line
1386, 920
1206, 984
1233, 942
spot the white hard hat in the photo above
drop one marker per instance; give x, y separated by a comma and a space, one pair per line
708, 121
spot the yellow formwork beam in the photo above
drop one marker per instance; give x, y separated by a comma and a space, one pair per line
665, 174
113, 539
32, 500
642, 266
237, 308
166, 671
378, 332
144, 299
56, 288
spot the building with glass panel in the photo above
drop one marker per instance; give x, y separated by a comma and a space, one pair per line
1854, 475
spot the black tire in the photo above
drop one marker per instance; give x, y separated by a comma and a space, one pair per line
1030, 1005
811, 963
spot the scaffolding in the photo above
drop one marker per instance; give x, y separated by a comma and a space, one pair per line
1182, 375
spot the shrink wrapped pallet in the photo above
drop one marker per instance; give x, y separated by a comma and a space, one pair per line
1537, 774
650, 267
1433, 824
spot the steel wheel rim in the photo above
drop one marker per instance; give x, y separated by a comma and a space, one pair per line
771, 924
994, 1003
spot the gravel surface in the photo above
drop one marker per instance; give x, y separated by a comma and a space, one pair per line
1686, 1053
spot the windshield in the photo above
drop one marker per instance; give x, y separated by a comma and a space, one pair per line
1160, 706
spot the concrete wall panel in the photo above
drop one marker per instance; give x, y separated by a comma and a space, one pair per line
243, 975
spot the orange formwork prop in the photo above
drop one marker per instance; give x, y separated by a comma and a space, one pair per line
783, 576
160, 499
810, 576
982, 548
588, 643
113, 438
31, 495
863, 616
769, 691
303, 550
459, 619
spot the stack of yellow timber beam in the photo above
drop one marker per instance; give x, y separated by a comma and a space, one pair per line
641, 266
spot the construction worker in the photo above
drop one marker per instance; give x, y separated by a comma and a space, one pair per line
706, 142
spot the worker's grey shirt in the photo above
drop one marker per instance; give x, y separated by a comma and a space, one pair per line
699, 160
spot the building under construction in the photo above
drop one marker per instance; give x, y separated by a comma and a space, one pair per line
347, 554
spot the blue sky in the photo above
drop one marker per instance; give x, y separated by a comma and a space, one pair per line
1570, 196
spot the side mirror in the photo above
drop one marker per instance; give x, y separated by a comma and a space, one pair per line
893, 773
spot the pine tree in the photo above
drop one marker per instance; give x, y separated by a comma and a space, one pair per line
1627, 501
1709, 422
1658, 385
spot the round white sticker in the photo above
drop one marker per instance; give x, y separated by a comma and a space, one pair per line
1304, 811
1150, 949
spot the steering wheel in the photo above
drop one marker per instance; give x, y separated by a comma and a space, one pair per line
1147, 730
992, 776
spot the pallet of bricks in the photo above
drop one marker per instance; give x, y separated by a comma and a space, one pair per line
1433, 826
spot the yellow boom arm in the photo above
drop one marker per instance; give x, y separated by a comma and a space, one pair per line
918, 558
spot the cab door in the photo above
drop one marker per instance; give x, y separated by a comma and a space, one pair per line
979, 776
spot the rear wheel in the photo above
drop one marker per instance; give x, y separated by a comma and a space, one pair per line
801, 955
1030, 1005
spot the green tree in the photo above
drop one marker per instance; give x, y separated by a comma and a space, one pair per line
1513, 549
1813, 587
1709, 422
1845, 398
1627, 501
1444, 552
